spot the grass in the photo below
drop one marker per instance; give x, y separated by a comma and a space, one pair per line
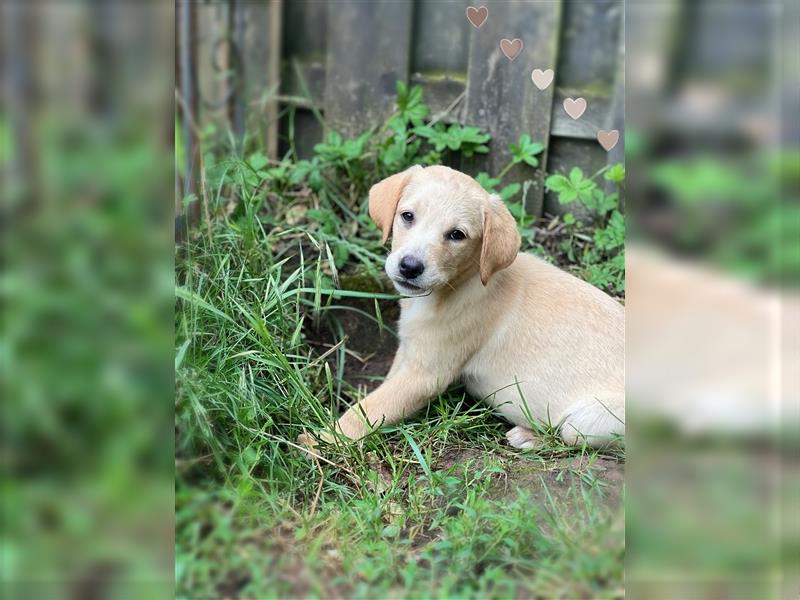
283, 320
436, 507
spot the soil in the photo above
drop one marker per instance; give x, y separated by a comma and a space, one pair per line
556, 476
370, 350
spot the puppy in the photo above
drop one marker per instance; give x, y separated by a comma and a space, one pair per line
533, 341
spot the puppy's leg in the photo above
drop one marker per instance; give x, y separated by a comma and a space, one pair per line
597, 421
402, 394
398, 360
522, 438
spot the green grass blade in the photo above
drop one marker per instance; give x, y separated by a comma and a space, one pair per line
423, 463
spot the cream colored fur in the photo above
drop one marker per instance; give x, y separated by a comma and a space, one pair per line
533, 341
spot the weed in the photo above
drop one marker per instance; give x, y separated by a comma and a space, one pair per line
594, 242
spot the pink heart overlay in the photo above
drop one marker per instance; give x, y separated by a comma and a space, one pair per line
608, 139
511, 48
542, 79
477, 16
575, 107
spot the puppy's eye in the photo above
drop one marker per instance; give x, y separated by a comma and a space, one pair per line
408, 217
456, 235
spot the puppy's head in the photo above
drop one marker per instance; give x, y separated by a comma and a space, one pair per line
445, 228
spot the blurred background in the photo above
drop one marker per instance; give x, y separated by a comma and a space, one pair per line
87, 294
713, 251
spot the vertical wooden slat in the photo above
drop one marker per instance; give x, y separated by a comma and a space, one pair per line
616, 113
257, 41
303, 74
439, 56
270, 108
368, 51
213, 63
187, 88
501, 97
19, 41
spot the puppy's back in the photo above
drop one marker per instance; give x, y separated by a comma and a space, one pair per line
564, 319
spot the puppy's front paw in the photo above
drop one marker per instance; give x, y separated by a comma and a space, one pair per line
522, 438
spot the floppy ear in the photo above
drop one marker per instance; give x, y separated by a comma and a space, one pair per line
500, 238
384, 196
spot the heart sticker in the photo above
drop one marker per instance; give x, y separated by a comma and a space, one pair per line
542, 79
511, 48
608, 139
477, 16
575, 107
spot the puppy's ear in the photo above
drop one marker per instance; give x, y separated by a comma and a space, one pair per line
500, 238
384, 196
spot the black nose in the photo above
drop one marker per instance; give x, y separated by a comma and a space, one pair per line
411, 267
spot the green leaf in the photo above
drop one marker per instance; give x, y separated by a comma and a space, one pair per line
516, 210
510, 191
257, 161
424, 131
402, 91
394, 155
409, 103
417, 453
557, 183
526, 151
181, 353
190, 296
605, 203
488, 183
613, 235
398, 126
390, 531
616, 173
574, 188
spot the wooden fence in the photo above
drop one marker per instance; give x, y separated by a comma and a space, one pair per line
246, 65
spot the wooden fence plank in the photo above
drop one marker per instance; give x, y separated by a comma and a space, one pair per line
213, 63
257, 33
585, 128
615, 119
304, 43
368, 51
305, 39
587, 65
305, 29
441, 38
187, 89
439, 55
501, 97
20, 35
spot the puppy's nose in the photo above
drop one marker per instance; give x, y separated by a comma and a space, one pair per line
411, 267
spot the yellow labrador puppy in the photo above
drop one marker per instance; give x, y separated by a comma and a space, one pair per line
532, 340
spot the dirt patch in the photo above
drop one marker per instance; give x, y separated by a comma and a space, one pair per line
544, 476
369, 348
